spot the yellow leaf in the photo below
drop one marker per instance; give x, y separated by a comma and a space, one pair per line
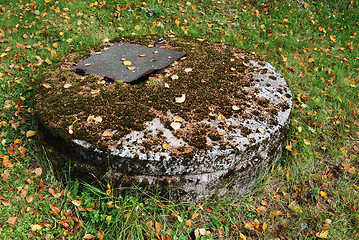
323, 194
166, 146
261, 130
108, 219
177, 119
275, 213
306, 142
311, 60
55, 45
137, 27
35, 227
127, 63
322, 234
30, 133
265, 226
131, 68
48, 61
3, 55
263, 26
242, 237
221, 117
287, 176
333, 38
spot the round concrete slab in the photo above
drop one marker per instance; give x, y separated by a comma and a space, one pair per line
208, 125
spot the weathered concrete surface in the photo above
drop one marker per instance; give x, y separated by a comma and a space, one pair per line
247, 147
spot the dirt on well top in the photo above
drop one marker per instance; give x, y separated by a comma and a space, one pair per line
213, 81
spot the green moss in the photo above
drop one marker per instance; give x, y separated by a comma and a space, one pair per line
216, 81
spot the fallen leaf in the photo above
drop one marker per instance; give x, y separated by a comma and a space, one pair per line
253, 226
55, 210
46, 85
107, 133
77, 203
333, 38
175, 125
38, 172
188, 222
177, 119
235, 108
261, 130
260, 209
127, 63
131, 68
100, 234
29, 199
174, 77
275, 213
166, 146
306, 142
96, 91
35, 227
323, 194
221, 117
137, 27
242, 237
11, 220
322, 234
88, 236
67, 85
158, 226
188, 70
180, 99
265, 226
30, 133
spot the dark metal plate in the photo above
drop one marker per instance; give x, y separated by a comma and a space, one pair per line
127, 62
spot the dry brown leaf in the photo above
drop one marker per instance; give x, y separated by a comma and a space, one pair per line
100, 234
46, 85
29, 199
95, 92
188, 222
88, 236
275, 213
107, 133
260, 209
55, 210
158, 226
11, 220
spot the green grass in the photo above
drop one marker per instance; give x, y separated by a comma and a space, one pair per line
312, 190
